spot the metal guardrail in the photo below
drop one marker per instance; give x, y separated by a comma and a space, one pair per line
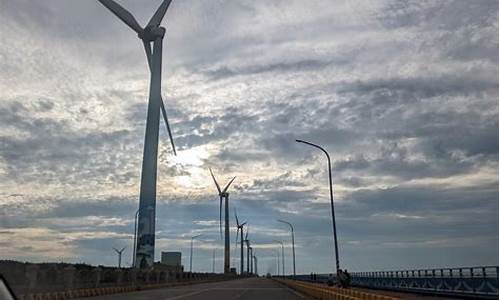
322, 292
470, 281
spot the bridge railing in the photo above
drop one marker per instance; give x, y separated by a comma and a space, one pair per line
465, 272
474, 281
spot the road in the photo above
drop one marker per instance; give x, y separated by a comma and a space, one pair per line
241, 289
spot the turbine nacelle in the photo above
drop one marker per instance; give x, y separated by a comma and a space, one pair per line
151, 33
222, 194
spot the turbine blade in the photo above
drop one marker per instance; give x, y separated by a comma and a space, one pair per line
147, 48
123, 249
227, 186
164, 113
236, 216
122, 14
244, 223
115, 249
160, 12
216, 184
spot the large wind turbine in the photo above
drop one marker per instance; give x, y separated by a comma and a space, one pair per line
224, 194
152, 33
239, 228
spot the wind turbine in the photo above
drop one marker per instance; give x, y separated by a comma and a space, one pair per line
152, 33
119, 256
247, 241
223, 194
239, 228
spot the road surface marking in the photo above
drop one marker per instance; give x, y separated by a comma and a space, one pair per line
189, 294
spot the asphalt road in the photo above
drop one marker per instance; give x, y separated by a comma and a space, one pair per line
241, 289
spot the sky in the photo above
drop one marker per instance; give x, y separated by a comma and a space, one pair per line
403, 95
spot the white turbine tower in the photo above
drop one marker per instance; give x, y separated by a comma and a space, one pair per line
152, 33
223, 194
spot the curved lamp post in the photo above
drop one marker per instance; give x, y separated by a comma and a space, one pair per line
277, 252
293, 243
191, 253
331, 200
135, 231
282, 257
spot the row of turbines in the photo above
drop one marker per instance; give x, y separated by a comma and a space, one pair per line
151, 37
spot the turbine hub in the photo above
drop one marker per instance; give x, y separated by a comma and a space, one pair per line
151, 33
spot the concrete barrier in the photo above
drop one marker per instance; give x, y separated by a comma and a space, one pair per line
322, 292
83, 293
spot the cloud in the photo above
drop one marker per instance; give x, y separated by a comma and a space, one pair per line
404, 96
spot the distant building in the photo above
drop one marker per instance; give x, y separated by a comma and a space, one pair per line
171, 259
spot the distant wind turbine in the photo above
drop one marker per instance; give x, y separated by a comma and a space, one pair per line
152, 33
223, 194
119, 252
239, 228
247, 241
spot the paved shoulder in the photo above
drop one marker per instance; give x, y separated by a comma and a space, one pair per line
243, 289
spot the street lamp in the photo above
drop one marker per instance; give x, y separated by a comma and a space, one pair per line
277, 261
213, 261
293, 243
282, 257
331, 200
191, 253
251, 260
135, 232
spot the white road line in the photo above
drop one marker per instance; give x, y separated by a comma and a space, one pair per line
296, 293
247, 288
187, 295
